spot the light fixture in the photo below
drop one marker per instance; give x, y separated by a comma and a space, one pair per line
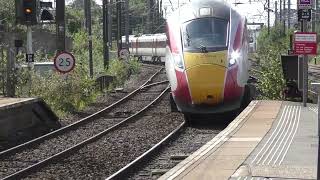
205, 11
233, 59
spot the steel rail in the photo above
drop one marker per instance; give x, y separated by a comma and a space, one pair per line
123, 172
75, 124
154, 84
152, 65
312, 92
314, 74
24, 172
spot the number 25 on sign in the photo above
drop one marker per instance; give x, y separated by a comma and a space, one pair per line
64, 62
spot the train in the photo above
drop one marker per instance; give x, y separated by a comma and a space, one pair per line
147, 47
207, 58
205, 50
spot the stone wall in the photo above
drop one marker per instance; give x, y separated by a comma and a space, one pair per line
43, 40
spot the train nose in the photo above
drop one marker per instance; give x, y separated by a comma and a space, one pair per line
206, 76
206, 84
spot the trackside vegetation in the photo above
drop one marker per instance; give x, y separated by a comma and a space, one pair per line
73, 92
270, 49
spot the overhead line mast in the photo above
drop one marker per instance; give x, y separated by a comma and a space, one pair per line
87, 7
105, 8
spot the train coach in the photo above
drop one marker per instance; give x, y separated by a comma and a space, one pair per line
147, 47
207, 58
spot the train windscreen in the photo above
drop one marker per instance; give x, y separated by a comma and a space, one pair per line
205, 33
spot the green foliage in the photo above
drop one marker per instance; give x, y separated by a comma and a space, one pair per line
135, 66
7, 11
63, 93
73, 92
75, 19
270, 48
121, 70
77, 90
80, 49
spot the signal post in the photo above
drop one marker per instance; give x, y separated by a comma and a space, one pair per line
26, 14
306, 44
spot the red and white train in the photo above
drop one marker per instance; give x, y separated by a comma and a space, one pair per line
148, 47
207, 58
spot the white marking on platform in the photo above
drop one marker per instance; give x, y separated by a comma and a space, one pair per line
221, 137
281, 137
285, 109
294, 129
295, 132
285, 138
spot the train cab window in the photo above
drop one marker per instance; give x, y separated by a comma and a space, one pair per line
205, 32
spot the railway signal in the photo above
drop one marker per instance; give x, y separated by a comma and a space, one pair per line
26, 12
46, 15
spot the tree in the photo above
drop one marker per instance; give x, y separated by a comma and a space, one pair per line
7, 12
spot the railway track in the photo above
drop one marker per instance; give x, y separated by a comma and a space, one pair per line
28, 157
126, 170
106, 156
314, 72
314, 76
175, 149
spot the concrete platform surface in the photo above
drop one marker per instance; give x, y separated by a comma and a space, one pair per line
9, 102
25, 117
269, 139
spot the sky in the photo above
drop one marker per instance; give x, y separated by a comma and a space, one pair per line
252, 9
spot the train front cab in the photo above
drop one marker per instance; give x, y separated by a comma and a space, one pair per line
207, 70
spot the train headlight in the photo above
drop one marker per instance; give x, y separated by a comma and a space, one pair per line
178, 61
233, 59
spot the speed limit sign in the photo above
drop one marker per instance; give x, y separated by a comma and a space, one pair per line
64, 62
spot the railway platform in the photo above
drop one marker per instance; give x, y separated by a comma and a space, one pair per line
9, 102
21, 116
269, 139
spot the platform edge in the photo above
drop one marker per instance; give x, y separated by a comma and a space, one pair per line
216, 142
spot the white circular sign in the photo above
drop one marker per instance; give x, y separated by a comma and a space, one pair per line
64, 62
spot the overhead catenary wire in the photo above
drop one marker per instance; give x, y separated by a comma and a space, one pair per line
171, 5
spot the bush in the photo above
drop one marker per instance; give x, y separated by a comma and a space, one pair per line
72, 92
121, 70
75, 91
270, 48
63, 93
